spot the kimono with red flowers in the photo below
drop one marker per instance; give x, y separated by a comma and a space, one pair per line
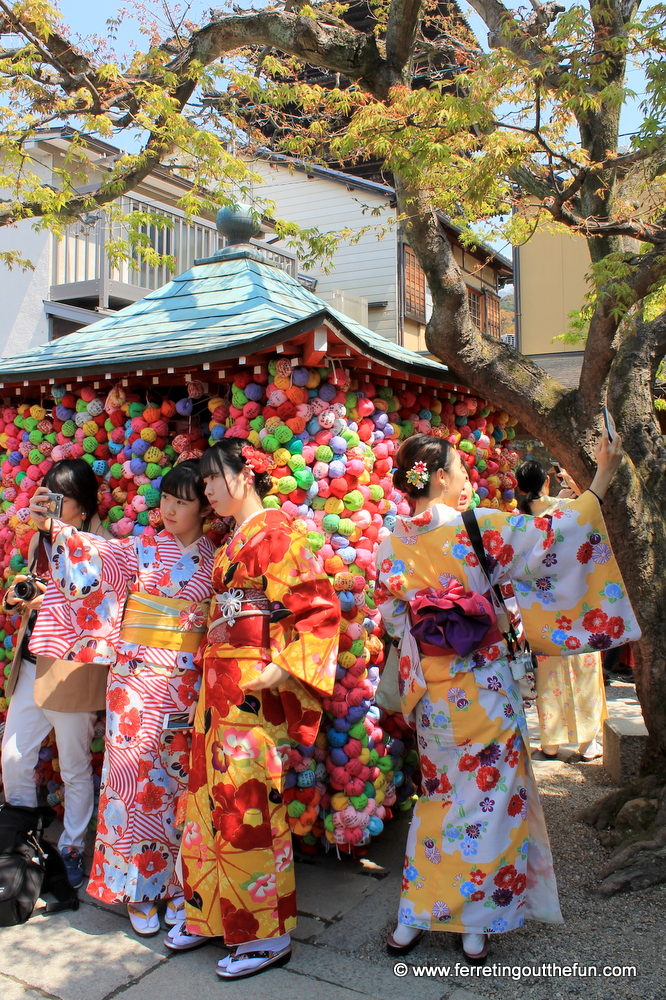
145, 768
478, 858
273, 603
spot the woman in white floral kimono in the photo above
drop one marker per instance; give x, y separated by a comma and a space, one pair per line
478, 859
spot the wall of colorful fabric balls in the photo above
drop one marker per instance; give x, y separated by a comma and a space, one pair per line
330, 434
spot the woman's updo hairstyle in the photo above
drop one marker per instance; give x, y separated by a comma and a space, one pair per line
228, 454
530, 477
435, 453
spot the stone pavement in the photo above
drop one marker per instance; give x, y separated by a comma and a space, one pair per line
344, 905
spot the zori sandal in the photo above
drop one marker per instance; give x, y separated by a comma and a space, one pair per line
144, 918
180, 939
253, 957
175, 911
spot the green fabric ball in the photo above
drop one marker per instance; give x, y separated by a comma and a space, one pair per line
330, 522
109, 426
315, 540
116, 513
295, 446
136, 410
304, 478
116, 471
353, 500
346, 527
30, 423
296, 808
296, 463
152, 498
318, 503
81, 405
143, 517
376, 492
153, 470
90, 444
324, 453
36, 437
357, 647
52, 438
406, 428
16, 563
359, 802
271, 502
287, 485
35, 456
69, 429
258, 423
283, 433
270, 443
90, 459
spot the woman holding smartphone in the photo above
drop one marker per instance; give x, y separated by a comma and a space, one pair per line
51, 685
163, 582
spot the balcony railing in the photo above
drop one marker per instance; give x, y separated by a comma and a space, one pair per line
82, 270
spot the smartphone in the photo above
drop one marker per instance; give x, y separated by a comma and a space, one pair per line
52, 503
176, 721
609, 422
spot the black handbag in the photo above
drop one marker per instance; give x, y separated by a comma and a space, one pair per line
29, 866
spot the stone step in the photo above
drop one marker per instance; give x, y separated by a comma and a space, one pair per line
624, 743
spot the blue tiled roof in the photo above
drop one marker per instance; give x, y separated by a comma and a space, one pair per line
221, 308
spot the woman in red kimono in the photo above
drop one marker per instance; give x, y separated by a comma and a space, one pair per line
271, 651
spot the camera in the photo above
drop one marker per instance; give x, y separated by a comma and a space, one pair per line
52, 503
26, 590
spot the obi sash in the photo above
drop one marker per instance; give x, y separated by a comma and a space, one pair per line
240, 618
164, 622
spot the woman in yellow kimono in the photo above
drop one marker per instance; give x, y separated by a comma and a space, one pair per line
571, 699
271, 650
478, 859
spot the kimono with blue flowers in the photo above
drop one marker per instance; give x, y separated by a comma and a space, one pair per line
478, 858
145, 768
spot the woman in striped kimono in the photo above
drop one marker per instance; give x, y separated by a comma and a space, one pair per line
166, 581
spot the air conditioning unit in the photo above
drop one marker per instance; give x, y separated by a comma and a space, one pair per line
509, 338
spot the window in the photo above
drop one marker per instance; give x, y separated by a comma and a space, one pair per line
415, 287
474, 301
494, 319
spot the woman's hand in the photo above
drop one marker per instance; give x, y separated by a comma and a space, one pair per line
40, 514
609, 455
192, 711
270, 677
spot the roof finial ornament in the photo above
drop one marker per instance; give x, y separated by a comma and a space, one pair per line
238, 223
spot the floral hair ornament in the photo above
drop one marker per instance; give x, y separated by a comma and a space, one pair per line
258, 461
418, 475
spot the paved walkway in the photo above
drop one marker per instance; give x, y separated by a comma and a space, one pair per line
345, 909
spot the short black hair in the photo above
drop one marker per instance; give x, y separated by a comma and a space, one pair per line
185, 482
74, 479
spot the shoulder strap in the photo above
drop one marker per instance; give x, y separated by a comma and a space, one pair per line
474, 533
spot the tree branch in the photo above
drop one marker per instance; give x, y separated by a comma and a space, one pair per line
403, 21
335, 47
599, 350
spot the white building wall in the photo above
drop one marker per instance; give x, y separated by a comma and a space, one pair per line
367, 268
23, 323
